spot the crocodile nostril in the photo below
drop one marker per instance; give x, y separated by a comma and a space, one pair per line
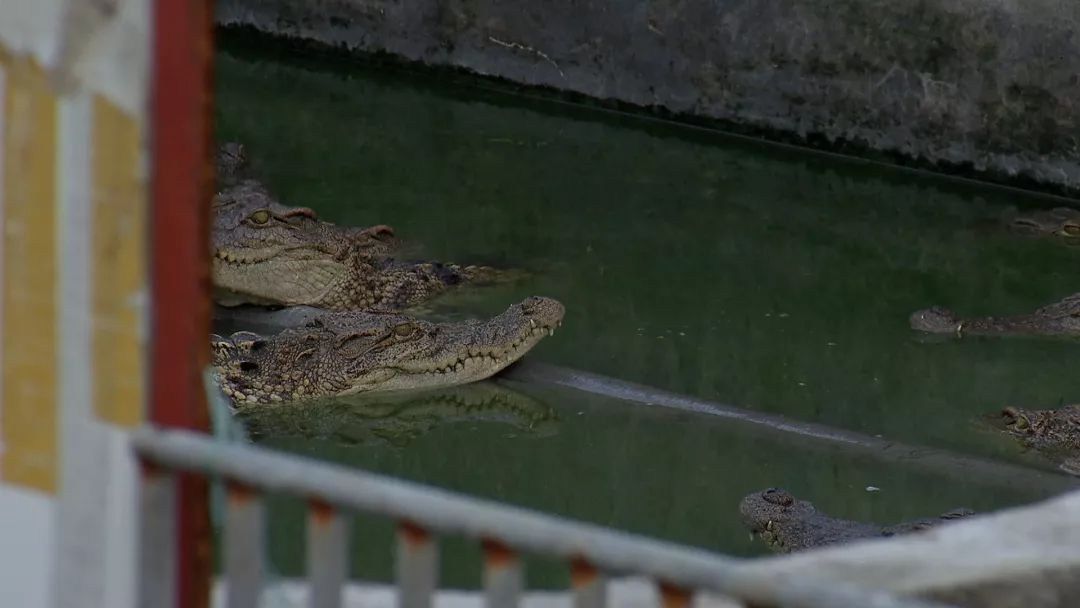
379, 231
778, 497
530, 303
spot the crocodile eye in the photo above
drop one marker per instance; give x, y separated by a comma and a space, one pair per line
1015, 419
1071, 229
260, 217
404, 330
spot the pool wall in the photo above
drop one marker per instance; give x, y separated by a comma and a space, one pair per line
985, 88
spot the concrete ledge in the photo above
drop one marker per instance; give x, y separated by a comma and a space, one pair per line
990, 88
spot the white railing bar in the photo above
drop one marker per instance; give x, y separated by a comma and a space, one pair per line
520, 529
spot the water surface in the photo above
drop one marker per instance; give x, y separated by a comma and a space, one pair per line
766, 278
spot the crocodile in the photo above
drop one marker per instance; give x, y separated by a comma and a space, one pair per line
1061, 318
1053, 433
350, 352
1059, 222
232, 164
267, 253
399, 418
789, 524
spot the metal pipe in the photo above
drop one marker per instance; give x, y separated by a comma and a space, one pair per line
327, 538
244, 528
503, 578
417, 566
520, 529
157, 580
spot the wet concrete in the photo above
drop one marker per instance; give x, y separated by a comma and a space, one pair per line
984, 87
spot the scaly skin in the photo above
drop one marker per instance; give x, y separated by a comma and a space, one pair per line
271, 254
231, 164
788, 524
365, 352
1061, 318
1054, 433
1060, 222
399, 418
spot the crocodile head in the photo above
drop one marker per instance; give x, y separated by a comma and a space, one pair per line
1062, 222
769, 513
1058, 427
1053, 433
788, 524
265, 252
935, 320
364, 352
1017, 421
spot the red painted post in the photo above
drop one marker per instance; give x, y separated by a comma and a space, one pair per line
182, 183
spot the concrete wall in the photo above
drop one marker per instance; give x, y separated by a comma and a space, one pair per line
990, 85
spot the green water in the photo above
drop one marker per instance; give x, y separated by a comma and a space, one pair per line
764, 278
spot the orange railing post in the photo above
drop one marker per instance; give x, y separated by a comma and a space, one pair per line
181, 186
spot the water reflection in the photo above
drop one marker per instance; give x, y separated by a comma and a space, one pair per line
397, 419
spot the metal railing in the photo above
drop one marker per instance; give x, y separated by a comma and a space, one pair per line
594, 553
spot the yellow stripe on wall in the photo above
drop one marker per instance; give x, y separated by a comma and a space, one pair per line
118, 281
28, 418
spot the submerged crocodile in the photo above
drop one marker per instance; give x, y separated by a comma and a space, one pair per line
232, 164
788, 524
1060, 222
1062, 318
399, 418
1053, 433
271, 254
352, 352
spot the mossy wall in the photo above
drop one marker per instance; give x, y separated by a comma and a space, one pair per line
983, 87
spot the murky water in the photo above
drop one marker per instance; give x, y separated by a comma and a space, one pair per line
764, 278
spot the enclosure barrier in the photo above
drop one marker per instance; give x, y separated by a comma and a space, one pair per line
592, 552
